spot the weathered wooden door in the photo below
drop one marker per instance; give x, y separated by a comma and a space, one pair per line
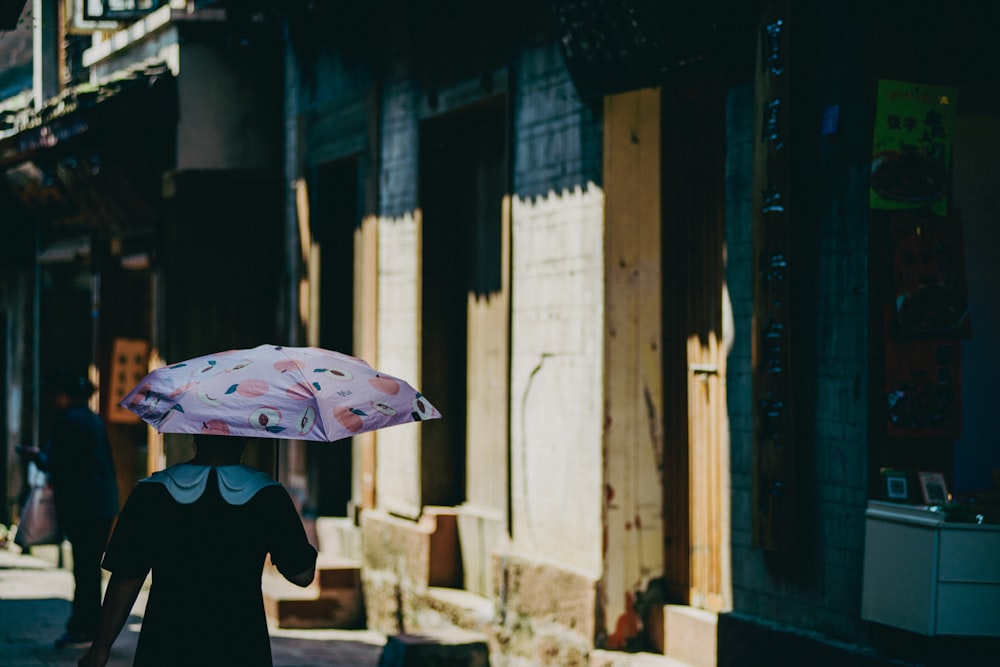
696, 489
633, 387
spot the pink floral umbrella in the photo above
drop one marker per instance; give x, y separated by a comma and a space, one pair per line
270, 391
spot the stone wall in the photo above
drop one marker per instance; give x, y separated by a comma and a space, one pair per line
557, 320
816, 589
545, 613
556, 409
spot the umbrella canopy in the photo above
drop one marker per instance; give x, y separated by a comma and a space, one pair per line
270, 391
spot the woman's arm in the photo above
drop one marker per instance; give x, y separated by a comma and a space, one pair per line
303, 578
118, 602
37, 456
289, 547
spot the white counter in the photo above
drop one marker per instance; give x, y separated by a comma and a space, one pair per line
924, 575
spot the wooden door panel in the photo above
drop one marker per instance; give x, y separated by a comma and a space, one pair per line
693, 219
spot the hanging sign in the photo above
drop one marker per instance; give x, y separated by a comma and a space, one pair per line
911, 148
774, 446
129, 364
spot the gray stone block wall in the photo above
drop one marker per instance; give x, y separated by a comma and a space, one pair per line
739, 278
820, 591
400, 141
557, 137
557, 143
739, 270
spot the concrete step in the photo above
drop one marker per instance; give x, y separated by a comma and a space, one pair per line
332, 601
335, 574
621, 659
338, 535
691, 635
436, 648
687, 638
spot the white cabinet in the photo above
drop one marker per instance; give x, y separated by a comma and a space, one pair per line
924, 575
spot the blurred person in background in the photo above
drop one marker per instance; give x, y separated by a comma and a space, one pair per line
77, 456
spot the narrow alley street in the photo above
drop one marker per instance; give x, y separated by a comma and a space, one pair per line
35, 602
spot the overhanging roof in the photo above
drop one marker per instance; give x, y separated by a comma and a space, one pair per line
93, 158
614, 46
10, 12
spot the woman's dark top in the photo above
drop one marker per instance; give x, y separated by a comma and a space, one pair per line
205, 605
78, 456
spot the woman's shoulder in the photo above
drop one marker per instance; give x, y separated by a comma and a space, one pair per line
81, 415
145, 495
238, 484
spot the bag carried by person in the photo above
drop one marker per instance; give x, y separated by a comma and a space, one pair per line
37, 524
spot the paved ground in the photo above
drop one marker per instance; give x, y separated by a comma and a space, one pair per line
34, 606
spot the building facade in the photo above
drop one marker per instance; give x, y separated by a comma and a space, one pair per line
636, 256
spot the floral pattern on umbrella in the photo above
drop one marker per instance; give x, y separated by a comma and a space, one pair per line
272, 391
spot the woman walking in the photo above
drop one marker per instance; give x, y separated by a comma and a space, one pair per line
203, 528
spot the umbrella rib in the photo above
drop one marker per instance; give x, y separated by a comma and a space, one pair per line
305, 381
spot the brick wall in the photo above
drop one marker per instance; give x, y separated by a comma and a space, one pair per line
557, 317
819, 589
739, 277
557, 137
400, 143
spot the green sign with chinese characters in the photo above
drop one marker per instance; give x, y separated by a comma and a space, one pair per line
911, 149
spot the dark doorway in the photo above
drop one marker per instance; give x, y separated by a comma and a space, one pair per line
220, 273
65, 328
334, 221
461, 194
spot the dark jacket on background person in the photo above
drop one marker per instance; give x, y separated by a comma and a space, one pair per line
78, 459
77, 455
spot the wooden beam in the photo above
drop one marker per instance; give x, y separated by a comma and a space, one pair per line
774, 483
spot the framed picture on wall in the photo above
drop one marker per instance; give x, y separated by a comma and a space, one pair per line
933, 488
895, 485
129, 364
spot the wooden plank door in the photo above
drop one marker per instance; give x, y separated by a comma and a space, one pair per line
697, 449
633, 382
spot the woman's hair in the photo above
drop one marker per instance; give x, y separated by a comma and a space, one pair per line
209, 440
75, 385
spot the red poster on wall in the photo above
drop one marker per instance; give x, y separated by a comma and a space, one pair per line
930, 291
923, 387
